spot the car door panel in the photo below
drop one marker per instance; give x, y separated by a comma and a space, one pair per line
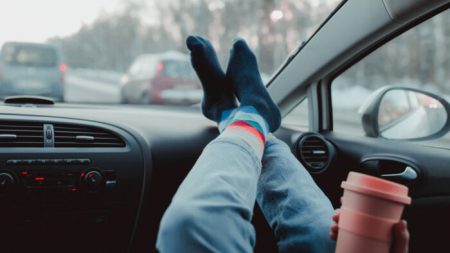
431, 163
427, 216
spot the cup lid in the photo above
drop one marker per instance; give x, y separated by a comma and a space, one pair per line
377, 187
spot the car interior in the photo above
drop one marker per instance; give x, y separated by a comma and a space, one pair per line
98, 178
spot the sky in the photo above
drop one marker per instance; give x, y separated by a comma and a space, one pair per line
37, 20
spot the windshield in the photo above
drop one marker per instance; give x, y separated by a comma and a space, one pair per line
29, 55
133, 52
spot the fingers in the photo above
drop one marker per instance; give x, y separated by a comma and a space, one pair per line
401, 238
336, 215
334, 232
401, 234
334, 227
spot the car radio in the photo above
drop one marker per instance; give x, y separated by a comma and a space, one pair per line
69, 186
70, 175
56, 201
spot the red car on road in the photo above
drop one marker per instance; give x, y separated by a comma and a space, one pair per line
165, 78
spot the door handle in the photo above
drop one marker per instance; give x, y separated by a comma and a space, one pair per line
408, 175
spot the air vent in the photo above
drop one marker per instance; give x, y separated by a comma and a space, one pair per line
68, 135
21, 134
315, 152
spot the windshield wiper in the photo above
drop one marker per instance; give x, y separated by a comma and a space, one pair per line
37, 100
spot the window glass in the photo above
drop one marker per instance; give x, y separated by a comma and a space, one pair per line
29, 55
419, 58
179, 70
299, 117
99, 40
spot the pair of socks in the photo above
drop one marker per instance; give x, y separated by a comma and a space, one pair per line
256, 115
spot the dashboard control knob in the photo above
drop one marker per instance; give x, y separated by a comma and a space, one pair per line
7, 182
93, 179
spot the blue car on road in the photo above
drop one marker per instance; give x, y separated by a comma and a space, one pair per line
31, 69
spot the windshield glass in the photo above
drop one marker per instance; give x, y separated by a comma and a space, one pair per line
133, 52
29, 55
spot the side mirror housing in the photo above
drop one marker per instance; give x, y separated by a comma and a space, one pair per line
405, 113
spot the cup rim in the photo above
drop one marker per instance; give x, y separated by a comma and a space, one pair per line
376, 193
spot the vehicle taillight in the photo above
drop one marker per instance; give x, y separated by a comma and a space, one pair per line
62, 68
160, 67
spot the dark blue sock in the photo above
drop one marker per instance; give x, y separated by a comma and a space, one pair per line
218, 93
248, 85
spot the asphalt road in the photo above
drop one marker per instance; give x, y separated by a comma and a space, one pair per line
83, 90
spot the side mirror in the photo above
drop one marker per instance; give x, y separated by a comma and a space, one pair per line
405, 113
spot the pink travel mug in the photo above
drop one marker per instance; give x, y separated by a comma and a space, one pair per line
370, 208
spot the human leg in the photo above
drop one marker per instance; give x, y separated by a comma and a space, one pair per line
296, 209
212, 209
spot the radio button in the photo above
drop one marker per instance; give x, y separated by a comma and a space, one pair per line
84, 161
48, 133
93, 179
42, 161
69, 161
12, 162
25, 162
110, 184
7, 182
56, 161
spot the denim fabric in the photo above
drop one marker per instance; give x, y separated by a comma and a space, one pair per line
212, 209
297, 210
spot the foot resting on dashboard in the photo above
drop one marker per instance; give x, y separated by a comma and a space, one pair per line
218, 101
248, 85
257, 114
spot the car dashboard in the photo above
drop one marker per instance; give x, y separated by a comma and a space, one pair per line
76, 178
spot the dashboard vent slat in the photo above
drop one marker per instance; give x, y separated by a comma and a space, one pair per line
82, 132
314, 152
68, 135
21, 134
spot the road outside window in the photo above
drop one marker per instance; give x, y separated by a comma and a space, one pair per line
419, 58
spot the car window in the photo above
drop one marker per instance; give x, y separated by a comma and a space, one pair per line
149, 66
29, 55
171, 69
100, 41
419, 59
179, 70
299, 117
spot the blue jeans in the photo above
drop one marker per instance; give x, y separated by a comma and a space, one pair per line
212, 209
